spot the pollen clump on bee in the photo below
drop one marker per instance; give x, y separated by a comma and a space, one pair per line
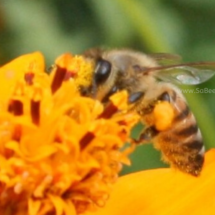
57, 153
77, 66
163, 115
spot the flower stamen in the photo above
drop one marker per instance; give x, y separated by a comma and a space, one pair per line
58, 78
29, 76
86, 139
35, 112
109, 111
15, 107
35, 105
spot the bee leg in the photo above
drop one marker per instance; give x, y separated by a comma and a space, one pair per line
150, 132
146, 135
134, 97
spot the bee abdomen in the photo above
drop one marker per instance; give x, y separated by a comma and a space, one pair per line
187, 156
188, 131
182, 145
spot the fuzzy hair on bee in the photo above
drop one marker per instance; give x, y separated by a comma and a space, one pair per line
150, 79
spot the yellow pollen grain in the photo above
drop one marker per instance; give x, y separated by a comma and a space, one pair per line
19, 89
64, 60
39, 191
120, 100
163, 115
25, 174
85, 71
37, 94
9, 74
31, 67
18, 188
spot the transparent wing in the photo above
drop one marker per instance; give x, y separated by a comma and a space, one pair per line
189, 73
166, 58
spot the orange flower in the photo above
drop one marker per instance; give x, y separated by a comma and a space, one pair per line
164, 191
60, 152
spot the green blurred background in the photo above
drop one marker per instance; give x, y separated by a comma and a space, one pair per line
185, 27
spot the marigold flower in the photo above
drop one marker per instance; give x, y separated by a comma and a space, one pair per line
164, 191
60, 152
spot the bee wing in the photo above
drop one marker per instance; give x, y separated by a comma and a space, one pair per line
166, 58
189, 73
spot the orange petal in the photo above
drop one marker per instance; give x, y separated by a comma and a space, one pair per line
164, 192
34, 206
15, 70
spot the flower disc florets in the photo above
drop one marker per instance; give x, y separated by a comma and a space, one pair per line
60, 152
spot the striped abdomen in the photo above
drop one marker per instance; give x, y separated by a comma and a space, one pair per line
182, 144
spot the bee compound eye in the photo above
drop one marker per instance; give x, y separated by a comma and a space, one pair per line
102, 72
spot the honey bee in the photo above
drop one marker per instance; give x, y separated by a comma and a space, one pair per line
147, 81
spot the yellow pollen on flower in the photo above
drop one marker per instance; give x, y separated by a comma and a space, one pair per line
18, 188
19, 89
37, 93
68, 66
85, 71
60, 152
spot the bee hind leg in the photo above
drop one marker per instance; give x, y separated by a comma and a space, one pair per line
146, 135
151, 132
